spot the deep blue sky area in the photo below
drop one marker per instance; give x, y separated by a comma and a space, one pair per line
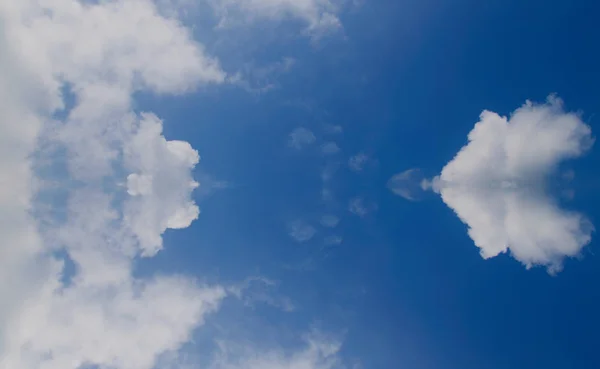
407, 81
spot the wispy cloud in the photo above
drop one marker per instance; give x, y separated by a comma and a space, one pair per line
301, 231
301, 137
496, 184
357, 162
358, 206
320, 16
319, 352
333, 129
330, 148
330, 220
409, 184
333, 240
263, 78
259, 290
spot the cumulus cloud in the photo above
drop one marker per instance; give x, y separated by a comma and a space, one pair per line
301, 231
68, 73
97, 314
301, 137
319, 15
160, 183
498, 184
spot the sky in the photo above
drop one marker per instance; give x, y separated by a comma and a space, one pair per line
299, 184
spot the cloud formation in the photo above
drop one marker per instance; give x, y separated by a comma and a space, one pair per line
71, 298
408, 184
358, 206
330, 148
301, 231
97, 314
301, 137
319, 15
160, 183
333, 240
330, 220
318, 353
497, 184
358, 161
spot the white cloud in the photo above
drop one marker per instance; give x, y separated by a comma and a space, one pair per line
330, 148
330, 220
99, 314
318, 353
328, 171
319, 15
259, 290
358, 206
358, 161
496, 184
160, 183
301, 137
333, 240
333, 129
408, 184
301, 231
261, 79
122, 326
126, 184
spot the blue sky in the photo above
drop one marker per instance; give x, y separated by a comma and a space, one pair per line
291, 251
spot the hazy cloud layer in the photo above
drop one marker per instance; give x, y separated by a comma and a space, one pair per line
497, 184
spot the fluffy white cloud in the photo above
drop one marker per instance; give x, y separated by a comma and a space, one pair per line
122, 326
160, 183
70, 298
98, 314
20, 242
496, 184
319, 15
